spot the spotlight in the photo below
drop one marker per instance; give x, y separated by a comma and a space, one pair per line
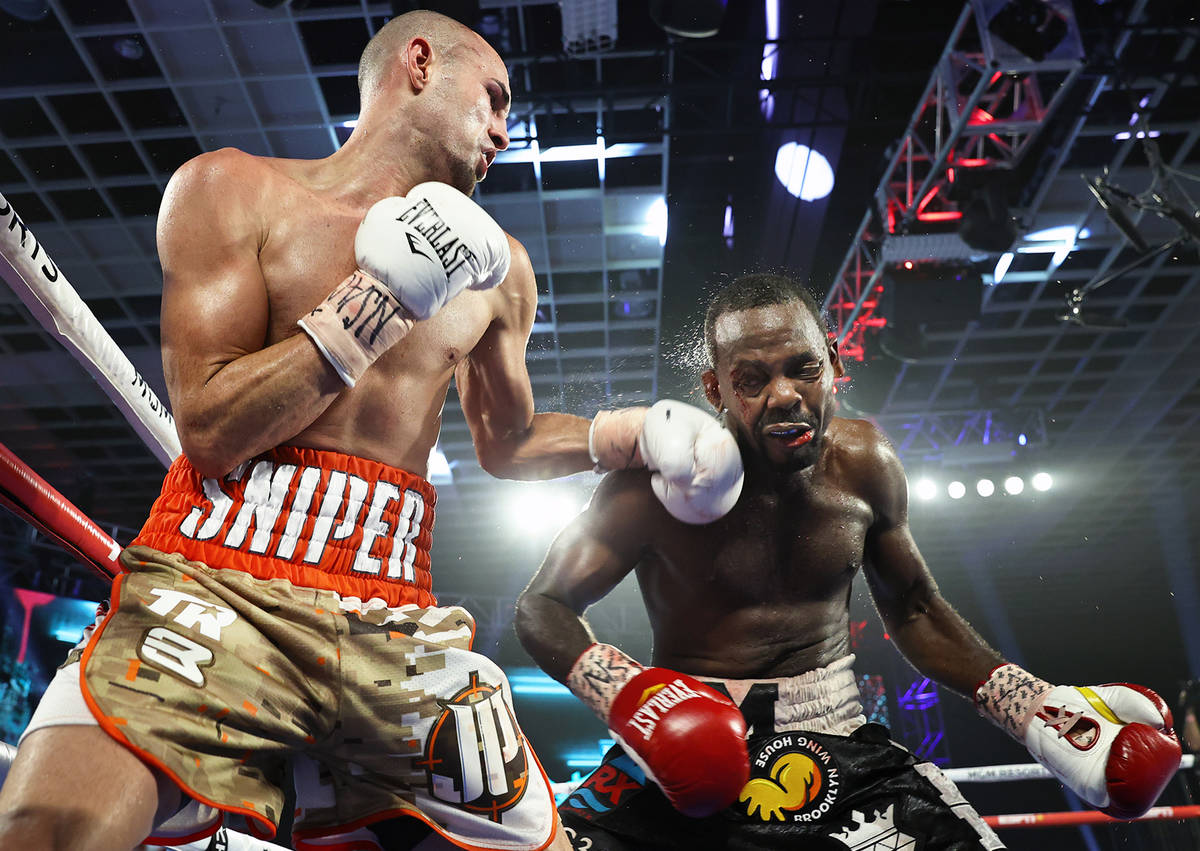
987, 225
805, 173
656, 220
535, 510
1041, 481
956, 490
985, 487
693, 19
926, 489
1014, 485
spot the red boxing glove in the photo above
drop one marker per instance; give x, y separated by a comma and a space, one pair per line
687, 737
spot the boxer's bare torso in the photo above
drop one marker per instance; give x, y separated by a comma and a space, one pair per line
763, 592
288, 240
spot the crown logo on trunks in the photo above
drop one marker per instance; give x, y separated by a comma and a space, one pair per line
876, 834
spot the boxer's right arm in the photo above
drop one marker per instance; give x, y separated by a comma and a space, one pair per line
673, 726
586, 561
232, 396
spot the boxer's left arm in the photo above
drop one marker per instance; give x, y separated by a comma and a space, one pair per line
1112, 744
927, 630
511, 440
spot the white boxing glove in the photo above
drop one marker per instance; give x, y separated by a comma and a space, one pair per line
696, 462
1113, 745
414, 254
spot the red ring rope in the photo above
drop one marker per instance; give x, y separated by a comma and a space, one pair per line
1087, 817
29, 496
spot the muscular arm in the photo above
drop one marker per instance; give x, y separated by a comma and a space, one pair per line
931, 635
232, 396
511, 440
585, 562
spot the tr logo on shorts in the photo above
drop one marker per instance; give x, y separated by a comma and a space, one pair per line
474, 756
795, 779
165, 648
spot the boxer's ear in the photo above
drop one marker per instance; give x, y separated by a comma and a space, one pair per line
835, 359
418, 62
712, 389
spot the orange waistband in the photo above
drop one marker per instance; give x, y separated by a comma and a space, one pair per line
318, 519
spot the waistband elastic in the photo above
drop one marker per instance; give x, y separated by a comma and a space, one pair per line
319, 519
823, 700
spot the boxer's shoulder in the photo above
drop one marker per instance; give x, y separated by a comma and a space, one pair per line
864, 459
624, 499
227, 180
226, 168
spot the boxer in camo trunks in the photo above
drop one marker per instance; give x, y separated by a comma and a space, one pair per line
756, 605
278, 601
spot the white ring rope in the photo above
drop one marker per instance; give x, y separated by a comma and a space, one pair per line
1019, 771
45, 290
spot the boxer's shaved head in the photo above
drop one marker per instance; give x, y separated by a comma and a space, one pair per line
757, 289
445, 35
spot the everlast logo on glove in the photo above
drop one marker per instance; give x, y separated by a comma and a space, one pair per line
656, 700
426, 221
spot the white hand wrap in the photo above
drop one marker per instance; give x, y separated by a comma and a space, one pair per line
414, 255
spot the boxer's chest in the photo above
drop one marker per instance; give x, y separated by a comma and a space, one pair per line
805, 547
308, 252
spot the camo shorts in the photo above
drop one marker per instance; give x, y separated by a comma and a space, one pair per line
216, 678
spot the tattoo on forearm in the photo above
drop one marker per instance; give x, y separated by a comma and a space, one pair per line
599, 674
1008, 696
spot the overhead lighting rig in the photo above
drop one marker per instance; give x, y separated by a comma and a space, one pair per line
1165, 198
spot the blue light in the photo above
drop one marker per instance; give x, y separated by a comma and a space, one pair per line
533, 682
68, 618
1022, 439
588, 759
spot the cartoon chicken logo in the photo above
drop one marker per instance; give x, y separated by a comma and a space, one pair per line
795, 782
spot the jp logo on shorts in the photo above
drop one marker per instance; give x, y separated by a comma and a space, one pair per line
795, 779
474, 756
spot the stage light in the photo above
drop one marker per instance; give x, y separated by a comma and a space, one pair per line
804, 172
987, 224
770, 60
656, 220
956, 490
691, 19
1002, 265
537, 509
1022, 439
1014, 485
531, 681
1041, 481
438, 469
925, 489
985, 487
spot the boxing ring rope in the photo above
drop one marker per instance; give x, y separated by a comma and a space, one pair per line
27, 495
45, 290
1018, 771
1072, 818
